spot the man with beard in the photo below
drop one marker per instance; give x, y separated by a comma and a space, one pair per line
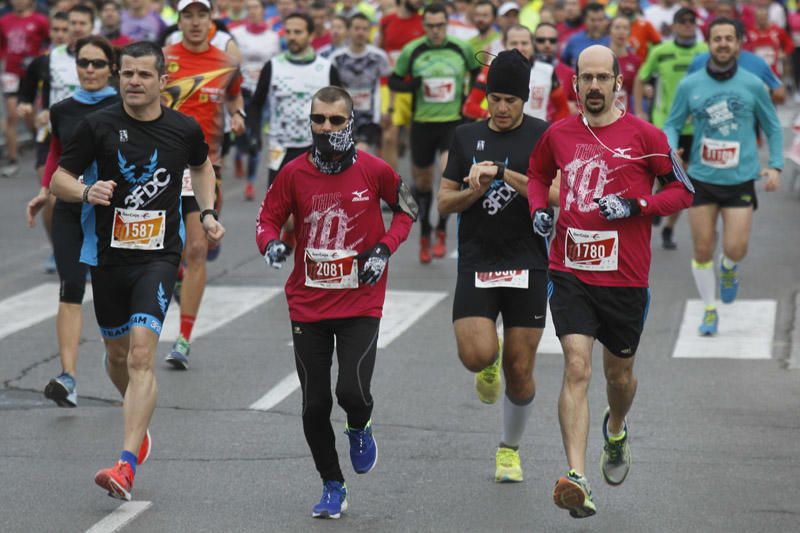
600, 257
596, 32
725, 103
545, 46
338, 284
484, 15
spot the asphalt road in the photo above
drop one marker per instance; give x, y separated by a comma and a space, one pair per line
715, 441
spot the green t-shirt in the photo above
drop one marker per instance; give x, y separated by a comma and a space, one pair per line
443, 71
479, 44
669, 63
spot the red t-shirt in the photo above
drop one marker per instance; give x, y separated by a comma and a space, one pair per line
397, 32
333, 212
768, 45
612, 253
628, 67
21, 39
564, 74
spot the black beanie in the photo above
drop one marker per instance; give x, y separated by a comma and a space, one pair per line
509, 73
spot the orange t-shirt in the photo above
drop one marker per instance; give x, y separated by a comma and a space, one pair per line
643, 36
197, 85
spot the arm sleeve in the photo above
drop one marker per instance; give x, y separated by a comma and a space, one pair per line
677, 115
541, 173
473, 105
767, 75
198, 151
334, 77
401, 79
275, 209
51, 164
30, 82
79, 151
256, 106
768, 119
401, 223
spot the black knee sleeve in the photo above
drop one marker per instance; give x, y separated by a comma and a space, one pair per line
71, 292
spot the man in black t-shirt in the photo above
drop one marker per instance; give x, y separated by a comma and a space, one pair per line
133, 232
502, 264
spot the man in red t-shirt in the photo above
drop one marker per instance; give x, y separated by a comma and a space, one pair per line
600, 257
23, 34
337, 286
202, 81
769, 41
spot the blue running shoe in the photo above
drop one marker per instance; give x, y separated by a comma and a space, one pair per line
710, 322
728, 283
333, 502
62, 390
50, 265
363, 448
179, 356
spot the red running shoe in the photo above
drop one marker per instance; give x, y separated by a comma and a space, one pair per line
144, 449
440, 248
249, 192
117, 480
424, 250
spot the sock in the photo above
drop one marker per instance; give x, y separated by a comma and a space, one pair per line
574, 473
615, 436
129, 458
515, 418
706, 281
424, 200
187, 324
442, 225
729, 264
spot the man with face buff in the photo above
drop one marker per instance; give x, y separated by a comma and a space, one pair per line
337, 286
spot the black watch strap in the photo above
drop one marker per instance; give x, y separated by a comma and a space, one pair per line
501, 170
212, 212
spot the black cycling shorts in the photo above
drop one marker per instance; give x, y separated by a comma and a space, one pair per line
127, 296
67, 242
189, 203
521, 308
613, 315
739, 195
427, 138
369, 133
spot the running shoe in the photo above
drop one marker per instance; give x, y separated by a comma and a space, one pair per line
144, 449
10, 169
572, 492
117, 480
666, 239
363, 448
249, 192
50, 265
62, 390
440, 247
508, 467
213, 251
615, 460
179, 356
710, 323
728, 283
425, 250
488, 381
333, 502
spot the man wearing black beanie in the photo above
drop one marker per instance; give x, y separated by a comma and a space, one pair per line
502, 264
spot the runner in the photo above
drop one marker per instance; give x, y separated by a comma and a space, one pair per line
629, 62
337, 286
644, 35
545, 40
596, 32
434, 69
484, 16
141, 22
769, 41
111, 24
133, 230
725, 103
95, 65
600, 258
502, 266
23, 34
668, 62
360, 67
192, 59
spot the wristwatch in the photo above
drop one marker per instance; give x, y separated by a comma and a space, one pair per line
501, 170
212, 212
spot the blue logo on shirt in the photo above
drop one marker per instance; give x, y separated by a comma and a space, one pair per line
129, 171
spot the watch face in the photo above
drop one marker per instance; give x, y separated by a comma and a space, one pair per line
642, 202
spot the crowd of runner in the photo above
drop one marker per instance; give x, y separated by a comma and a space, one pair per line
618, 114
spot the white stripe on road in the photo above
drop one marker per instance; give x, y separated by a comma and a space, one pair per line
221, 304
30, 307
120, 517
746, 329
400, 310
549, 342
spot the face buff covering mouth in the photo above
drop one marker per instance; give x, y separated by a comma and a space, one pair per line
334, 152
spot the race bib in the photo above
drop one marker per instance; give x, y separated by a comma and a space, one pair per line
591, 250
719, 154
536, 98
514, 279
331, 269
10, 82
276, 155
138, 230
186, 183
439, 90
362, 99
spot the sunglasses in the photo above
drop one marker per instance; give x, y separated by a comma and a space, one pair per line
551, 40
335, 120
96, 63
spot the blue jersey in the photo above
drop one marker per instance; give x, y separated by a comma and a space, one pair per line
577, 44
724, 115
748, 61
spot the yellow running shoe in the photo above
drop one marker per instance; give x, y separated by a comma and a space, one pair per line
488, 381
508, 466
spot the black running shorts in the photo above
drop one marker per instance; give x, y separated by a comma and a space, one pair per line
427, 138
521, 308
369, 133
126, 296
189, 203
613, 315
291, 153
739, 195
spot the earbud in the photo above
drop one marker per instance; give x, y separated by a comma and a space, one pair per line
618, 87
575, 87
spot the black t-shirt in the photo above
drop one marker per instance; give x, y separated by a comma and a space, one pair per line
495, 233
146, 160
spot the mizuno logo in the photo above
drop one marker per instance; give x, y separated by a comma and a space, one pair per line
358, 196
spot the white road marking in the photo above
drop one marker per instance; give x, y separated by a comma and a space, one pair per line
400, 310
221, 304
746, 330
30, 307
120, 517
549, 342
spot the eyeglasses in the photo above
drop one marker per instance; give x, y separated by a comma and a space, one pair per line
335, 120
542, 40
603, 77
686, 21
96, 63
435, 26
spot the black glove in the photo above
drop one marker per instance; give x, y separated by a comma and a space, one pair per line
543, 222
614, 207
372, 263
276, 254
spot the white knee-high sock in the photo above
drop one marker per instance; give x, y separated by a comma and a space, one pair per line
515, 418
706, 281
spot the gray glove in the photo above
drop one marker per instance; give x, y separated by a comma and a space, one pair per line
613, 207
276, 254
543, 222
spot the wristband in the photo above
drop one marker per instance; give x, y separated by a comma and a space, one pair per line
501, 170
212, 212
85, 196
